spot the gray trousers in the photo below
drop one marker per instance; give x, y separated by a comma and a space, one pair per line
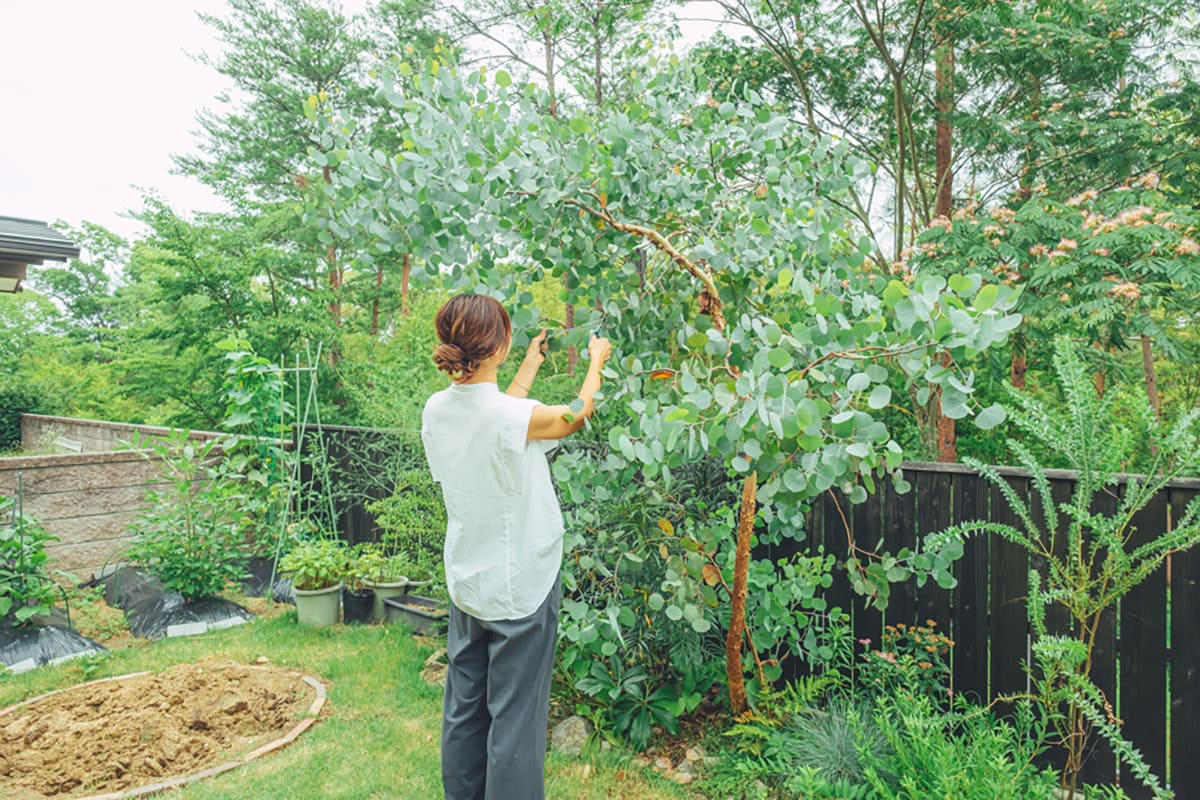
497, 703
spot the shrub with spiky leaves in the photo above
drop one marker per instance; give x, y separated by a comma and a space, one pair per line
1099, 563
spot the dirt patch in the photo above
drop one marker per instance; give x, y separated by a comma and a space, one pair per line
98, 621
107, 737
258, 606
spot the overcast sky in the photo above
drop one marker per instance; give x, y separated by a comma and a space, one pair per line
97, 96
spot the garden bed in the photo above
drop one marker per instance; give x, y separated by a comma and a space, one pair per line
121, 733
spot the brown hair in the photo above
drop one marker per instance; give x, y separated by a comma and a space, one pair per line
471, 328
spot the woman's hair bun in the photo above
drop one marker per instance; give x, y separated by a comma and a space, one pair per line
450, 358
471, 327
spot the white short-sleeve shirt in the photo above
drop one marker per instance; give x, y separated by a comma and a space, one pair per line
504, 528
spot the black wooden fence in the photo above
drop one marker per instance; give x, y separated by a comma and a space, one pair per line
1147, 657
344, 468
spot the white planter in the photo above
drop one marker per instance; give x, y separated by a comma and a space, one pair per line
384, 590
318, 608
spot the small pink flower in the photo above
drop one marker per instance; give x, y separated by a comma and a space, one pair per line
1082, 198
1187, 247
866, 642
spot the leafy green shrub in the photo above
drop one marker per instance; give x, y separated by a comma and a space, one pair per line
647, 577
634, 704
811, 742
258, 413
315, 563
413, 523
910, 658
1099, 563
15, 401
377, 566
970, 755
187, 534
24, 583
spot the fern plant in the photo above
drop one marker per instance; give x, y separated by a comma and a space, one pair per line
1090, 559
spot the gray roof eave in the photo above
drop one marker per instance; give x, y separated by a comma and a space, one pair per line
32, 241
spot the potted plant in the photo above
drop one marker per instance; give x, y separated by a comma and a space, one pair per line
358, 598
316, 567
412, 523
386, 575
420, 573
423, 615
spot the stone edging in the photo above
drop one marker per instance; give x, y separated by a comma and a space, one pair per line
173, 783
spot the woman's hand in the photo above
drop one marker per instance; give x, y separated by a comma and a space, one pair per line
555, 422
599, 349
536, 353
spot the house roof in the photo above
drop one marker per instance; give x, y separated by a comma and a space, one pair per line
30, 241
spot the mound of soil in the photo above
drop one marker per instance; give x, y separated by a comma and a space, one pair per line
120, 734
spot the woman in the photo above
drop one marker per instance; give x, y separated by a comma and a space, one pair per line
503, 549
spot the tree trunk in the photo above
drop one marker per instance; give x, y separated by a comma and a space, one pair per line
1025, 181
405, 272
945, 108
1016, 375
569, 324
552, 94
947, 435
335, 287
899, 232
737, 616
598, 54
1151, 377
375, 301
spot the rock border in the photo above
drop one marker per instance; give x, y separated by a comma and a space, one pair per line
173, 783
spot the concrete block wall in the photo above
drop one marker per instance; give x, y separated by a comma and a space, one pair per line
87, 493
85, 499
41, 433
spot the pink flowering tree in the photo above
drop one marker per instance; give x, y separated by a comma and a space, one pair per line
1120, 265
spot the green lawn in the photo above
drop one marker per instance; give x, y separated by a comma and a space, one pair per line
378, 736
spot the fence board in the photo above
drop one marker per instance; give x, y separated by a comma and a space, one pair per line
1184, 580
1143, 653
934, 506
1100, 765
899, 514
831, 539
1009, 582
969, 619
866, 522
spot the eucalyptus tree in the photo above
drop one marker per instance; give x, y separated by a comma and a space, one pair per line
584, 52
761, 333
